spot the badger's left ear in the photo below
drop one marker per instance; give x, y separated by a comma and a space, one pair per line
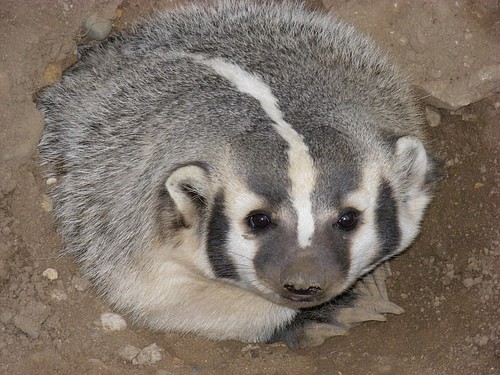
411, 162
190, 188
415, 171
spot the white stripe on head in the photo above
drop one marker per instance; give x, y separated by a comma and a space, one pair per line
301, 169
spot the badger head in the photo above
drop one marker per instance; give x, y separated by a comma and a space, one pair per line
300, 231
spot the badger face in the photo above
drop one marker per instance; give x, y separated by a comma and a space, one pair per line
302, 246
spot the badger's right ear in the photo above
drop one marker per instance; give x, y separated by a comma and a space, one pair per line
190, 188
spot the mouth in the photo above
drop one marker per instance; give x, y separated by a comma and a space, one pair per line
296, 301
301, 301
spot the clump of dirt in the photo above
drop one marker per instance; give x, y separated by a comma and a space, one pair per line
51, 321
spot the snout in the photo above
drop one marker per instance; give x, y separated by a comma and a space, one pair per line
304, 281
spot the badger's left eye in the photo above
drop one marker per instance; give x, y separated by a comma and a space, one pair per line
348, 220
259, 221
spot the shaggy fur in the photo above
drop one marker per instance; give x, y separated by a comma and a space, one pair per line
170, 141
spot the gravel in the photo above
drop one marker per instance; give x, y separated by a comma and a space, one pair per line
113, 322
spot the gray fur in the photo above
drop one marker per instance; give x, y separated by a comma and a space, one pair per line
140, 106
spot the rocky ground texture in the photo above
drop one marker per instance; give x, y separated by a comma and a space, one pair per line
51, 321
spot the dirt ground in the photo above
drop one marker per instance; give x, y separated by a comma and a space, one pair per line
447, 281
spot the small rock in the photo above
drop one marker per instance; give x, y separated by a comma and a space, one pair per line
433, 116
79, 283
113, 322
119, 13
46, 204
51, 274
177, 362
482, 340
52, 74
469, 283
30, 319
97, 27
469, 117
6, 316
51, 181
148, 356
6, 231
58, 295
128, 352
97, 362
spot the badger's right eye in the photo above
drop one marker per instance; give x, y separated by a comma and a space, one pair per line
258, 221
348, 220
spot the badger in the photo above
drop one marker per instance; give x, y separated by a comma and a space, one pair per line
238, 170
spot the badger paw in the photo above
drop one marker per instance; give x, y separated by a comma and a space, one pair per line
315, 334
371, 300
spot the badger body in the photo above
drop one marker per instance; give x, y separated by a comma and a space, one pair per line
231, 170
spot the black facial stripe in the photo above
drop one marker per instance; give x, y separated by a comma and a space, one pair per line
217, 241
386, 217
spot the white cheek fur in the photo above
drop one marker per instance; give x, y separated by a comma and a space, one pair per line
364, 246
364, 243
240, 202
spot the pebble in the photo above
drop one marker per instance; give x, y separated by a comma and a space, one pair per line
51, 274
79, 283
119, 12
58, 295
51, 181
482, 340
30, 319
433, 116
128, 352
97, 27
52, 74
113, 322
469, 282
469, 117
97, 362
148, 356
6, 316
46, 204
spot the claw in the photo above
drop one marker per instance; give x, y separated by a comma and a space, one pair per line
377, 305
372, 300
354, 316
314, 334
373, 284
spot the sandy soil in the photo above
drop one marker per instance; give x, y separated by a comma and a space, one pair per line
447, 282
